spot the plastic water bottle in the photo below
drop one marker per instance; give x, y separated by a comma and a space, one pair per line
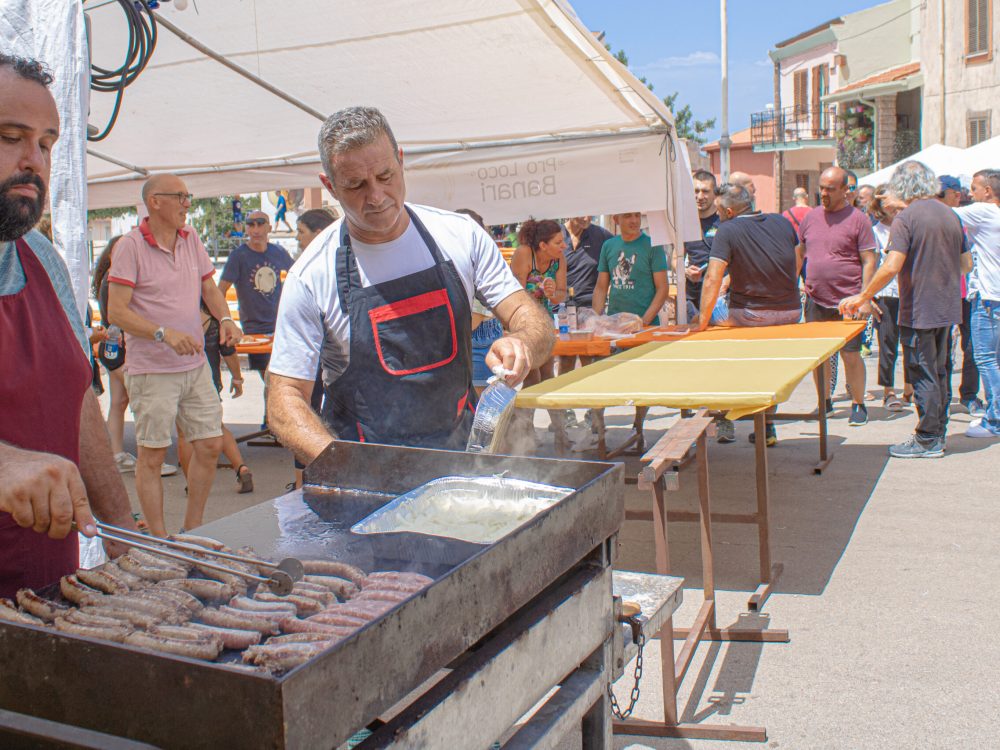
112, 346
562, 321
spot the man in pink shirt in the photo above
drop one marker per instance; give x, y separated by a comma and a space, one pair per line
159, 275
838, 248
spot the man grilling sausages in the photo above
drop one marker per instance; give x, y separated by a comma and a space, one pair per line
54, 447
383, 299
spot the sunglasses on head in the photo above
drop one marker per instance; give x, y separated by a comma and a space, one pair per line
256, 222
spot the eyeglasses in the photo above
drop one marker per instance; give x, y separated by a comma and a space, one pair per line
181, 197
256, 222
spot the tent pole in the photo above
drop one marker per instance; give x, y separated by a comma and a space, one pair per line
184, 36
113, 160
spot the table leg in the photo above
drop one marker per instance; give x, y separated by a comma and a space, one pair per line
660, 528
768, 573
822, 389
705, 522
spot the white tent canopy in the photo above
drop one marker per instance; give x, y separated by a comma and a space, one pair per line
510, 107
985, 155
941, 159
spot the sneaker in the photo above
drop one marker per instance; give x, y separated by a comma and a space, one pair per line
975, 407
167, 470
125, 462
979, 430
770, 435
913, 448
725, 430
859, 415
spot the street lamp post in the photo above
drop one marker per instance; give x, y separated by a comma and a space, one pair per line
724, 140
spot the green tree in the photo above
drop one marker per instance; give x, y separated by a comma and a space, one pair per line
213, 217
687, 126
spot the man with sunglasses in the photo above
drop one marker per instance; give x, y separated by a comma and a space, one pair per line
256, 269
159, 275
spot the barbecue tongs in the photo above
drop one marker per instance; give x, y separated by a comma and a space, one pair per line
283, 574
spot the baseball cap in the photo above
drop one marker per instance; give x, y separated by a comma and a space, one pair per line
950, 183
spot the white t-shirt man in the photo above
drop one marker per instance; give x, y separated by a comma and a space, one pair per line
982, 227
312, 327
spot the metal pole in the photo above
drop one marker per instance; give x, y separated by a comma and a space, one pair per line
205, 49
724, 140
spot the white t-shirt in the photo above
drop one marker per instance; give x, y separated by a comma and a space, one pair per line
982, 227
881, 232
311, 326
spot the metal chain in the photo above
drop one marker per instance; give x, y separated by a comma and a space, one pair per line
634, 698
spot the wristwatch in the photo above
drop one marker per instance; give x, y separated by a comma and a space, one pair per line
159, 334
223, 320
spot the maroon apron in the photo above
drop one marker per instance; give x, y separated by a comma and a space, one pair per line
43, 379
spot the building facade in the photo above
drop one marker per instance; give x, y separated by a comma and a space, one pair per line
847, 92
961, 65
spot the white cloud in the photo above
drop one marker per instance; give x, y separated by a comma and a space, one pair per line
698, 59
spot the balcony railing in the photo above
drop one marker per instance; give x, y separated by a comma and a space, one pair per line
793, 126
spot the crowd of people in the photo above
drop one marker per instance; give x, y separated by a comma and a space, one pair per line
394, 315
918, 257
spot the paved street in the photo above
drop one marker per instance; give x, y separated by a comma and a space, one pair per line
883, 559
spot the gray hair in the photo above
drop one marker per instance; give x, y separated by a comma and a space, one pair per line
734, 196
992, 178
349, 129
913, 180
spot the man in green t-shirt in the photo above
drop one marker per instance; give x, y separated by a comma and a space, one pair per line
631, 273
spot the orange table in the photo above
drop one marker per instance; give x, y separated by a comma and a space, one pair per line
257, 344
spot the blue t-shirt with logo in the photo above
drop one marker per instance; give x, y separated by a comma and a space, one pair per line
257, 278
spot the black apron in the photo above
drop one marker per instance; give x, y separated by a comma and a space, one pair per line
409, 377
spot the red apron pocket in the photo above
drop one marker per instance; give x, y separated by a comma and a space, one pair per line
399, 325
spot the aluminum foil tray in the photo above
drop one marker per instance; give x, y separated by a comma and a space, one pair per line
478, 510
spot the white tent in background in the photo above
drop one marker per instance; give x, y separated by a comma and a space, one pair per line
510, 107
941, 159
985, 155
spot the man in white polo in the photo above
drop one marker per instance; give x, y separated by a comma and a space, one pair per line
159, 275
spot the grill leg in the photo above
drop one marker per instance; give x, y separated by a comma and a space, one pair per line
596, 728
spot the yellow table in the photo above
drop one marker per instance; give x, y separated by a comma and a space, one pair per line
739, 371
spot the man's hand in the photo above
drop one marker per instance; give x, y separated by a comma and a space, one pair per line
852, 306
236, 387
693, 273
182, 343
97, 335
230, 333
44, 492
511, 354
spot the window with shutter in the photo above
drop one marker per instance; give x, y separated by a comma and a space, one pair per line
978, 127
801, 93
978, 27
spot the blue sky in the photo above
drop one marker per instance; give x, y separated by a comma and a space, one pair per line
675, 45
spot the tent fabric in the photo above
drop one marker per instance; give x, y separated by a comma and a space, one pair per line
52, 31
747, 371
941, 159
474, 90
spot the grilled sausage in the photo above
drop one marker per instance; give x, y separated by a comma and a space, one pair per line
206, 649
42, 608
384, 595
228, 617
131, 580
392, 575
77, 592
256, 605
143, 557
175, 597
150, 572
336, 618
116, 634
314, 591
340, 587
101, 580
231, 637
333, 568
366, 610
303, 604
93, 619
283, 656
127, 614
10, 613
161, 610
295, 625
209, 591
300, 638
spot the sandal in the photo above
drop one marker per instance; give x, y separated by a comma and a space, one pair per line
892, 403
908, 397
244, 479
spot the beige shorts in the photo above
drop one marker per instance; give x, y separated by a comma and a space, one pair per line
188, 398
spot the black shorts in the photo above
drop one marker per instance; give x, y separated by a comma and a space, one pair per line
817, 313
259, 362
